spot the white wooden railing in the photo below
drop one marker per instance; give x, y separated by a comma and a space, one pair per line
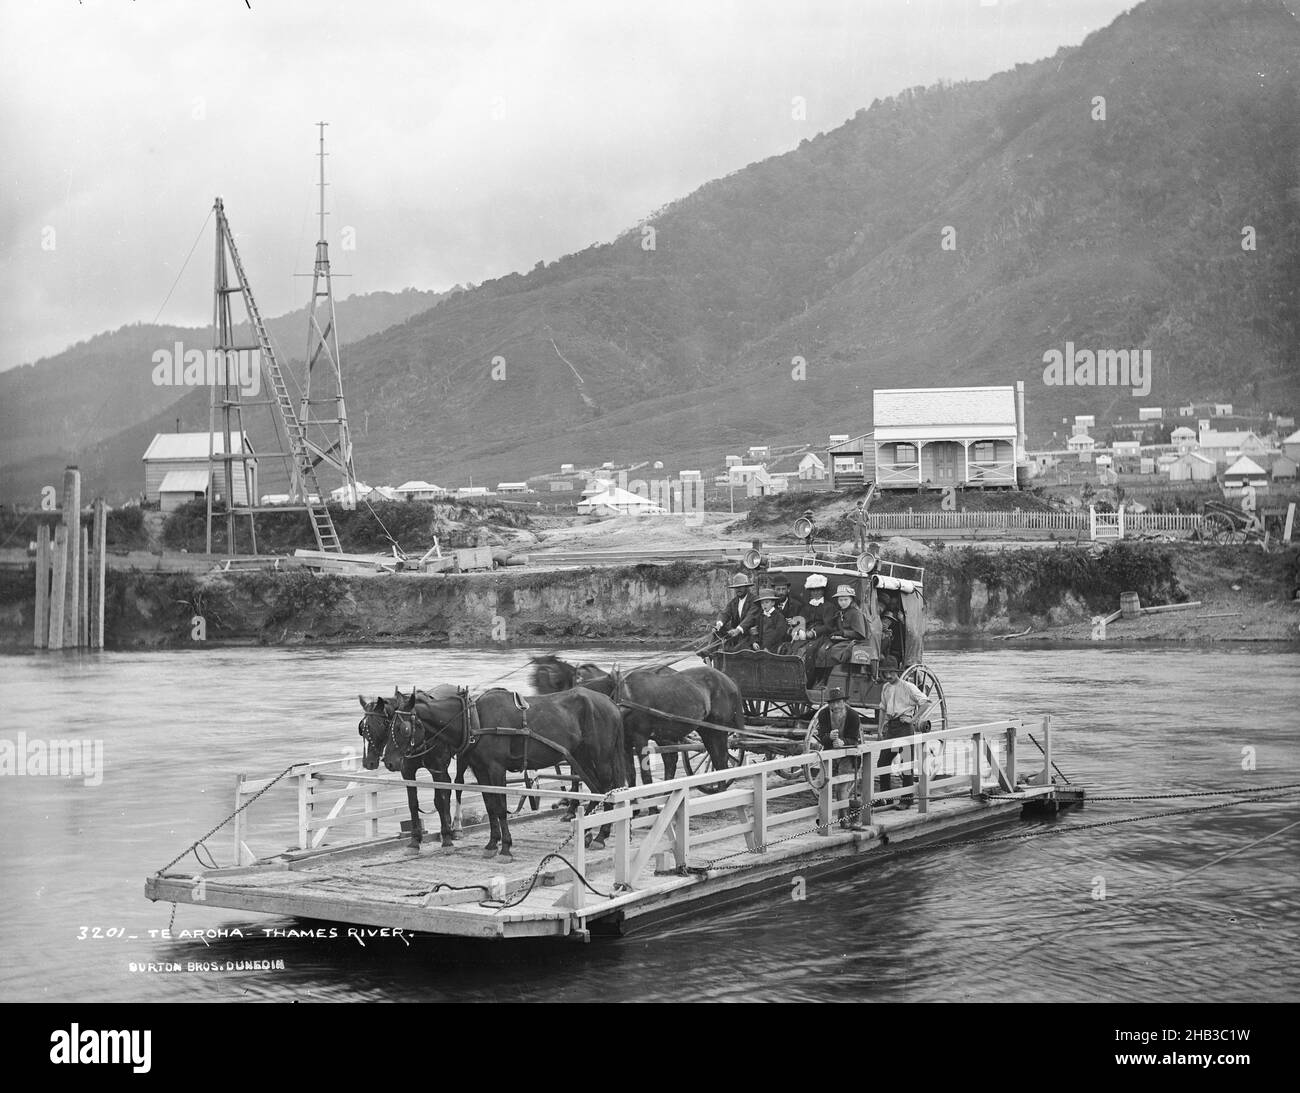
965, 762
1080, 522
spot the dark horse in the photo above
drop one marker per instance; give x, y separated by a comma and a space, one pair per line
447, 723
374, 729
696, 694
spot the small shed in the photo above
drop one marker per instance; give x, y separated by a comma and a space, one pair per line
1283, 469
179, 487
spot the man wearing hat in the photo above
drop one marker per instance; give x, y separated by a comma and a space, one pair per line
769, 630
903, 707
738, 616
788, 605
838, 726
849, 625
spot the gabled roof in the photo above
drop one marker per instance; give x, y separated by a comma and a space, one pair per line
945, 406
1188, 457
1294, 438
192, 445
1211, 439
185, 481
1244, 466
417, 486
615, 497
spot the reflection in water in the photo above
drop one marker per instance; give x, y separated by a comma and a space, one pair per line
1182, 908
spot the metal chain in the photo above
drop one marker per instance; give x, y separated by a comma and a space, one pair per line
199, 842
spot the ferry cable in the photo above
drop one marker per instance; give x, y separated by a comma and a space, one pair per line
1163, 796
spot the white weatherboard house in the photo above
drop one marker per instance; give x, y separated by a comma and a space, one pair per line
613, 500
176, 468
1245, 472
945, 436
419, 490
1191, 467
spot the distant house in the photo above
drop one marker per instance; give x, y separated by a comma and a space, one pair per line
1283, 469
419, 490
852, 461
1283, 421
1227, 447
734, 461
1221, 409
811, 469
1126, 449
1087, 421
1187, 411
1183, 439
1245, 472
1150, 413
512, 487
1082, 445
1291, 446
753, 476
1191, 467
613, 501
341, 494
760, 454
836, 438
690, 476
566, 468
463, 492
169, 453
383, 493
941, 436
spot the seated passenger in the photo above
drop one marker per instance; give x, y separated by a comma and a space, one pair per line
769, 630
817, 615
849, 625
788, 605
738, 616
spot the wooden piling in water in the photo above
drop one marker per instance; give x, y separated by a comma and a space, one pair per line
41, 624
83, 599
100, 566
72, 564
58, 586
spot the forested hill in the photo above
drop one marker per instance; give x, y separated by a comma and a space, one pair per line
1101, 196
97, 387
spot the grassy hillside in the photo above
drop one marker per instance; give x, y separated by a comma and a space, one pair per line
1117, 233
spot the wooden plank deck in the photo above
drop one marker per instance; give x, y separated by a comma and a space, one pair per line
381, 882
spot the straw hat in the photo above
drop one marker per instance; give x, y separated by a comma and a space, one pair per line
846, 590
766, 594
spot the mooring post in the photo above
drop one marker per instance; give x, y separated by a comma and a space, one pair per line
58, 586
866, 782
977, 764
83, 600
72, 569
922, 751
1011, 755
101, 564
42, 621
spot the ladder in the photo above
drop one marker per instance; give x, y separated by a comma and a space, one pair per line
303, 483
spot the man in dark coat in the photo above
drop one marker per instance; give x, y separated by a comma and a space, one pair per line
788, 605
839, 726
849, 625
738, 616
769, 630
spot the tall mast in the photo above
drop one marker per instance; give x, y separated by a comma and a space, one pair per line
325, 418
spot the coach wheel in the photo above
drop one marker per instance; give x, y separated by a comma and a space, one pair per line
814, 774
928, 683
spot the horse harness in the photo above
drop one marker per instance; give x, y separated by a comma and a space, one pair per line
472, 731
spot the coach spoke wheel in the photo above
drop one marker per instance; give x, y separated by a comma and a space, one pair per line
814, 774
928, 683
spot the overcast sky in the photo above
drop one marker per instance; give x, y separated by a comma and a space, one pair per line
466, 140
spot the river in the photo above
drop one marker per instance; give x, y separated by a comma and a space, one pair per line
1190, 907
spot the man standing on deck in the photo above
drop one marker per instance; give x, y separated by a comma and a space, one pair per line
838, 726
903, 707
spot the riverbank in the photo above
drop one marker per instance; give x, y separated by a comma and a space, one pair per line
1051, 594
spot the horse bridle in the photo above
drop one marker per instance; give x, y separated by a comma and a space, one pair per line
411, 716
363, 728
